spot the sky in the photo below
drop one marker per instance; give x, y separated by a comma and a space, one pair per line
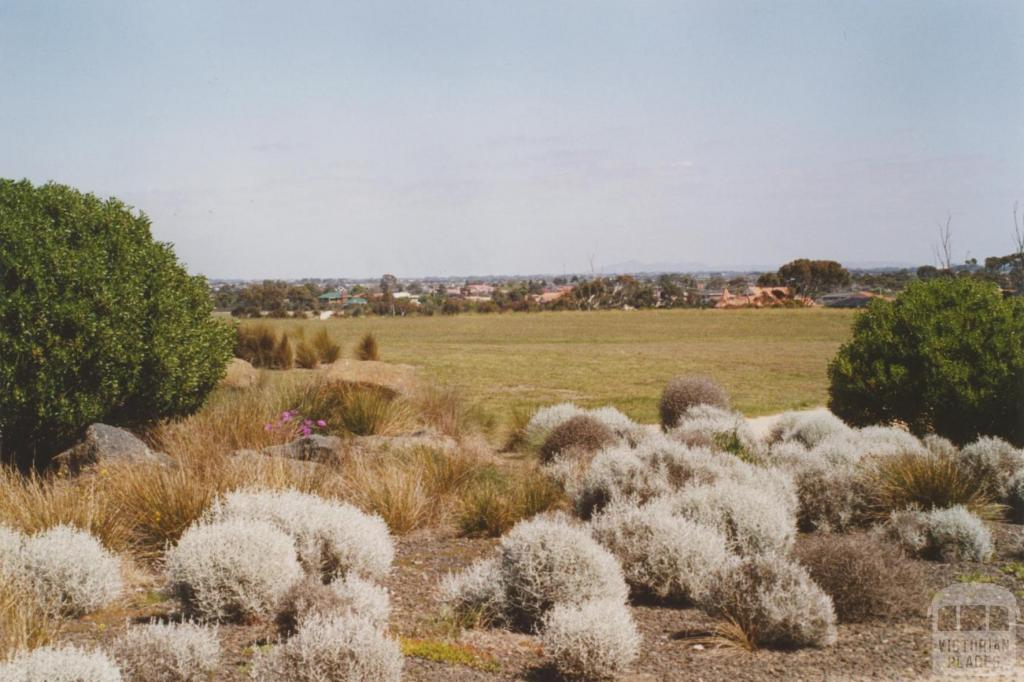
431, 137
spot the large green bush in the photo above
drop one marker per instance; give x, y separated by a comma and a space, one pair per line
98, 322
947, 356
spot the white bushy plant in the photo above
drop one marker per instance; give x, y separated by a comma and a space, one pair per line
753, 520
70, 571
660, 553
332, 538
476, 594
774, 602
63, 664
994, 462
168, 652
332, 648
595, 640
712, 427
942, 534
937, 445
1015, 496
545, 561
617, 473
886, 440
807, 428
619, 424
232, 570
547, 418
363, 599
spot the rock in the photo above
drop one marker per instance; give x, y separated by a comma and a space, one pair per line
240, 374
394, 377
315, 448
258, 460
108, 445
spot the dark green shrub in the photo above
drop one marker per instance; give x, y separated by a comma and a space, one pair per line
98, 322
368, 348
947, 356
684, 392
581, 434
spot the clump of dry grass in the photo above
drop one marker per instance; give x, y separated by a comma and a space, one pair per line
516, 436
306, 356
368, 349
446, 410
25, 621
412, 488
263, 347
497, 500
355, 408
924, 481
327, 350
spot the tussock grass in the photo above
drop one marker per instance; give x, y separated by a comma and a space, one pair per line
446, 410
327, 350
262, 346
924, 481
368, 349
25, 622
498, 499
357, 409
410, 489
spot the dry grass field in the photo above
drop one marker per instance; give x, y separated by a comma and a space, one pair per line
768, 360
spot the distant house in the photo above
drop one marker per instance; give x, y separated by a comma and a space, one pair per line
757, 297
849, 299
330, 298
355, 301
479, 290
453, 292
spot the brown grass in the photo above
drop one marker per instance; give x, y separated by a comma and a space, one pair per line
356, 409
327, 350
498, 499
24, 622
368, 349
924, 481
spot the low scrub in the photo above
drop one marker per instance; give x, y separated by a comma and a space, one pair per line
580, 435
331, 538
349, 597
947, 535
752, 520
332, 648
233, 570
684, 392
595, 640
168, 652
768, 601
865, 575
25, 622
63, 664
661, 554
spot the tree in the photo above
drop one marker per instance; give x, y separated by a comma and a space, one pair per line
947, 356
813, 277
926, 272
99, 321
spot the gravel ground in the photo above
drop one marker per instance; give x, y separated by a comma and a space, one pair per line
675, 640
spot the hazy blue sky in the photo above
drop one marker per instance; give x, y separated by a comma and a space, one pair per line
349, 139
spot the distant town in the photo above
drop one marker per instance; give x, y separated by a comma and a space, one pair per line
800, 283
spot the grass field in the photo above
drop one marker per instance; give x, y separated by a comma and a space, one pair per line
769, 360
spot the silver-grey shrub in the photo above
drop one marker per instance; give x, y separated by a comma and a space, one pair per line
11, 542
774, 602
661, 554
753, 520
953, 534
232, 570
595, 640
545, 561
168, 652
332, 538
70, 571
332, 648
716, 428
1015, 496
994, 462
476, 595
63, 664
807, 428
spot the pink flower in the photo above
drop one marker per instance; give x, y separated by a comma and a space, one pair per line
321, 423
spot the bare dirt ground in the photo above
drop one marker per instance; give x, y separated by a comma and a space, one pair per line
676, 643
